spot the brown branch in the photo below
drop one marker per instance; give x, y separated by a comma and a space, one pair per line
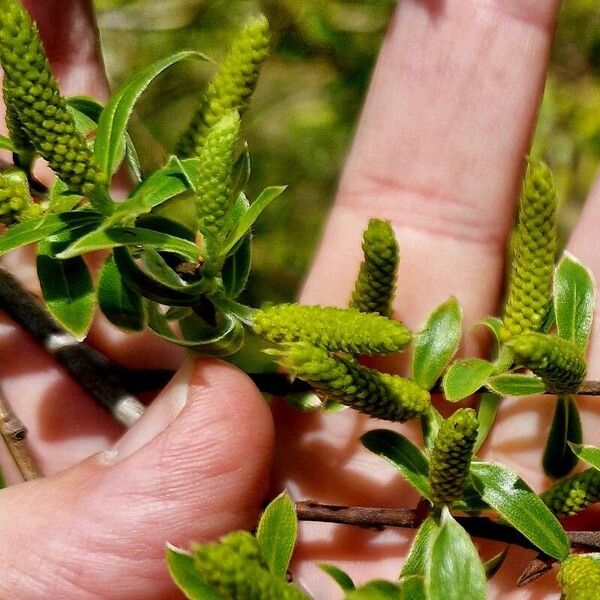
535, 569
377, 518
14, 434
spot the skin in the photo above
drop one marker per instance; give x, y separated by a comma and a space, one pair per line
439, 152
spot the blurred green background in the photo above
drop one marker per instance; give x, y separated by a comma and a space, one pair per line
307, 103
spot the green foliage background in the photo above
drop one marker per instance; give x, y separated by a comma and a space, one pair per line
307, 103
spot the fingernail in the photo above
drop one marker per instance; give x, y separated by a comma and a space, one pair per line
158, 416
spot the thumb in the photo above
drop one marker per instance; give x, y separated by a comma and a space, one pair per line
194, 467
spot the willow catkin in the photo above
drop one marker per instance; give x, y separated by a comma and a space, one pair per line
16, 204
579, 577
574, 494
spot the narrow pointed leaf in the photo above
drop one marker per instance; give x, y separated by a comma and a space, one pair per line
508, 494
492, 566
402, 454
455, 570
486, 415
464, 377
516, 384
559, 459
236, 268
276, 534
436, 343
494, 325
430, 425
589, 454
340, 577
184, 574
574, 299
419, 555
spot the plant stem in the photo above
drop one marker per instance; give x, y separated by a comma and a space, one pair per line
482, 527
89, 368
14, 434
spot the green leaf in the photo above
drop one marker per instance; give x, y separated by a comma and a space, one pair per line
401, 453
465, 377
340, 577
6, 144
455, 570
378, 589
304, 401
42, 227
414, 588
131, 236
184, 574
516, 384
419, 555
120, 304
241, 172
559, 459
574, 299
276, 534
495, 325
492, 566
486, 415
256, 208
223, 340
590, 454
110, 135
508, 494
437, 343
431, 422
236, 268
86, 113
67, 290
60, 198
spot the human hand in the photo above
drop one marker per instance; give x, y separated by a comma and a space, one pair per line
440, 153
96, 526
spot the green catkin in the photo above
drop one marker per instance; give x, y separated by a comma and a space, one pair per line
336, 329
33, 98
24, 148
579, 578
451, 456
16, 204
234, 567
574, 494
379, 395
232, 85
214, 202
559, 362
374, 288
533, 246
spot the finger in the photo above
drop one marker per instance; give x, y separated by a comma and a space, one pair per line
440, 150
193, 468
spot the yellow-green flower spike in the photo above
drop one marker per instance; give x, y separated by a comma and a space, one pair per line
574, 494
16, 204
374, 288
579, 578
533, 251
232, 85
235, 569
214, 202
451, 456
32, 95
559, 362
24, 148
379, 395
344, 329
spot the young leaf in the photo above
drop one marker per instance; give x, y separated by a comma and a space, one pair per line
574, 299
377, 589
67, 289
455, 570
340, 577
131, 236
110, 135
245, 223
417, 561
6, 144
430, 425
436, 343
590, 454
42, 227
60, 198
508, 494
402, 454
120, 304
184, 574
516, 384
276, 534
464, 377
558, 459
486, 415
236, 268
414, 588
495, 325
492, 566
